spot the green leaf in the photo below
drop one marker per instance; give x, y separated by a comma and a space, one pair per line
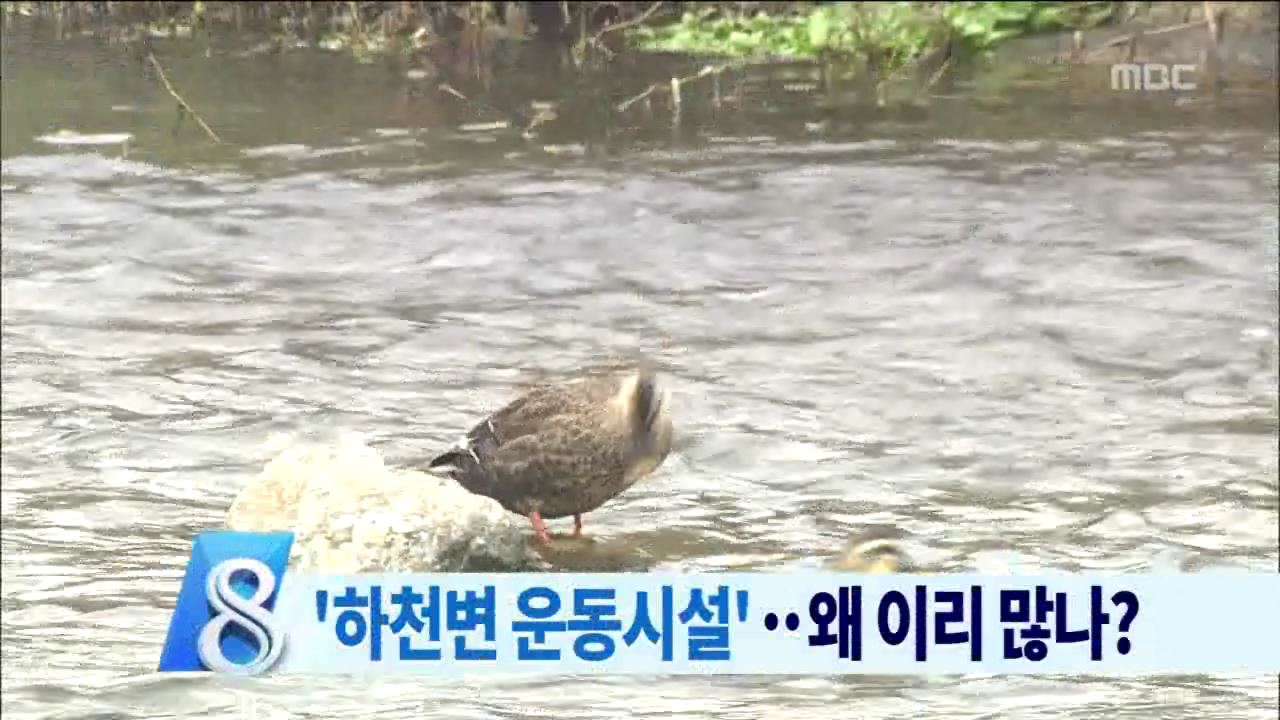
819, 29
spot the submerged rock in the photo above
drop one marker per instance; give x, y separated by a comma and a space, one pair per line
351, 513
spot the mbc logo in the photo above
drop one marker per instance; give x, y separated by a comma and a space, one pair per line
1151, 76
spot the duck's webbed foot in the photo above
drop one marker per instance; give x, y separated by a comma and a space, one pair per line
577, 525
539, 528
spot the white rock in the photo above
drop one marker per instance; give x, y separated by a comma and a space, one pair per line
351, 513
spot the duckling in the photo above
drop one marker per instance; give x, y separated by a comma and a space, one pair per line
873, 557
565, 449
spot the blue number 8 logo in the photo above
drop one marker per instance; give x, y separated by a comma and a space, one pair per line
247, 613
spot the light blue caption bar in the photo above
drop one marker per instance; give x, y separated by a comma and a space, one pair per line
1201, 623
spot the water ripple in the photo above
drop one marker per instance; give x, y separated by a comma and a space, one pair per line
1018, 355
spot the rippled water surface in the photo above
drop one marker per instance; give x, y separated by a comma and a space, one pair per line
1022, 338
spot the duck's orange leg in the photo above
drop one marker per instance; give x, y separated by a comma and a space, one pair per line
577, 525
539, 528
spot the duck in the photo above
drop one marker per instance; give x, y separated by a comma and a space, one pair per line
873, 556
565, 449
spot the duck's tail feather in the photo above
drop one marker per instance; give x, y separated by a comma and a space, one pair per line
647, 399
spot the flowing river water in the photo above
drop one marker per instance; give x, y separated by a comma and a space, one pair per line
1021, 330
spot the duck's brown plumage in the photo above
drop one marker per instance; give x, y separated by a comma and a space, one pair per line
565, 449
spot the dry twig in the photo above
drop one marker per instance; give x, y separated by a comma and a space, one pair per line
628, 23
447, 88
946, 65
1210, 18
182, 104
1127, 39
675, 83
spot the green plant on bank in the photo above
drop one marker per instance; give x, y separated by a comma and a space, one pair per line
887, 35
890, 33
336, 27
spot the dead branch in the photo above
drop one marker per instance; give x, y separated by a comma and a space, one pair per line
628, 23
674, 84
183, 104
1211, 20
1131, 38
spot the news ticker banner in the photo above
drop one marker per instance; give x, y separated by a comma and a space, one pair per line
238, 612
